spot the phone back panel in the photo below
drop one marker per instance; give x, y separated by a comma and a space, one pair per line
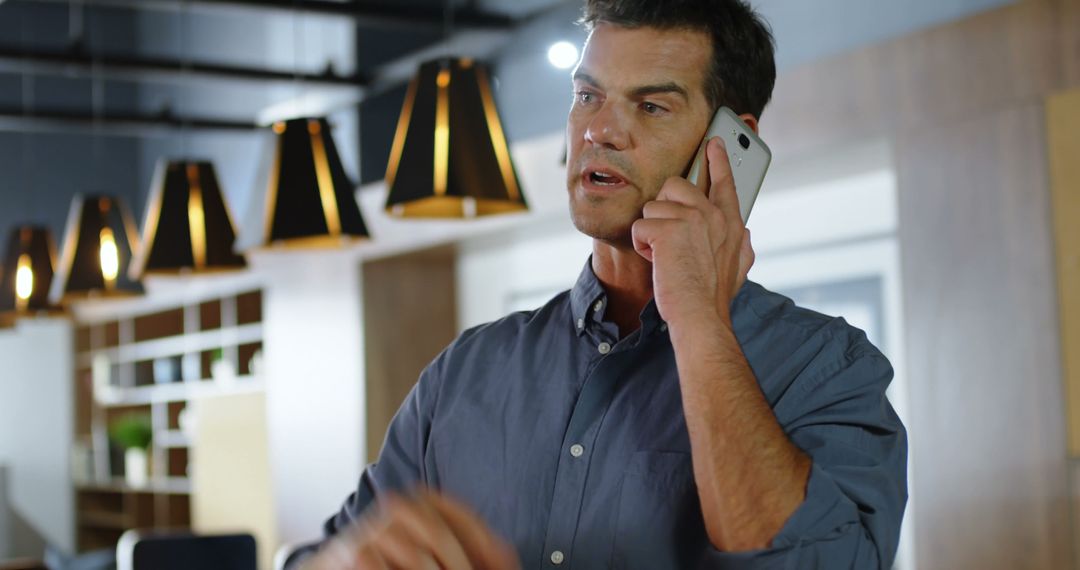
748, 166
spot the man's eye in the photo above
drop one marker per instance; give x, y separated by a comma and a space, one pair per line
651, 108
584, 97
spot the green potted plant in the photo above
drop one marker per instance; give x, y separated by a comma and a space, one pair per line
221, 368
134, 433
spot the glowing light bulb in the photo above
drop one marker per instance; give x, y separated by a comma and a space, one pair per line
563, 55
110, 257
24, 280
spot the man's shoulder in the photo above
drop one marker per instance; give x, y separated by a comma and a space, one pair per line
772, 328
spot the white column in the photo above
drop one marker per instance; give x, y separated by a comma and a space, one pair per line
313, 346
36, 425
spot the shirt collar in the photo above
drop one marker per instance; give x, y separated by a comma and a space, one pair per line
588, 301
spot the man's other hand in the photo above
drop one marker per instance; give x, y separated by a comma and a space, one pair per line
425, 531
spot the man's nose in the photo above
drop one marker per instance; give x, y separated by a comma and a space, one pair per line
607, 129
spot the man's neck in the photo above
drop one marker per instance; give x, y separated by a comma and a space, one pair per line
627, 279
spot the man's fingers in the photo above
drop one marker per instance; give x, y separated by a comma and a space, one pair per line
746, 259
669, 210
746, 253
429, 530
397, 545
646, 231
680, 190
369, 559
483, 547
722, 190
703, 179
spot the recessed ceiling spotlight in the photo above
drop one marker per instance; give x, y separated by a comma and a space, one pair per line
563, 55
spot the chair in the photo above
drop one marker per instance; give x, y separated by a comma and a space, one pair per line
156, 550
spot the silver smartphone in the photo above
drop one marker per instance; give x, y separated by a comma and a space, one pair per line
749, 156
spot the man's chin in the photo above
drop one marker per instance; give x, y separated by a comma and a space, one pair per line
606, 230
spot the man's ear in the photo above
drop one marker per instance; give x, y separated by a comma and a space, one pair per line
751, 121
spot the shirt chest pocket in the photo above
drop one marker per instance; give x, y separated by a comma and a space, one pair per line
658, 523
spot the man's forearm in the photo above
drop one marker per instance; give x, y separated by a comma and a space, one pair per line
750, 477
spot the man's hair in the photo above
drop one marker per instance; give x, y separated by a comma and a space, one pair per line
743, 70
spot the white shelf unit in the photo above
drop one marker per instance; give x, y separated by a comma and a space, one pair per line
154, 361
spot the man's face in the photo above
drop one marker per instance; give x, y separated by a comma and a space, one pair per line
638, 117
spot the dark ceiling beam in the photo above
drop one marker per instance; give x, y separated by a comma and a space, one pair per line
385, 13
134, 68
122, 124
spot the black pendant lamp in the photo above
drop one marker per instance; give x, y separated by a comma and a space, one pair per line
99, 241
27, 273
307, 199
450, 158
188, 227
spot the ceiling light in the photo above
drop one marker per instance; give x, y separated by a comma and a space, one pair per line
450, 158
188, 226
563, 55
305, 199
99, 242
27, 273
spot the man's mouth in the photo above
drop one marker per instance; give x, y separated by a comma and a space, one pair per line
604, 179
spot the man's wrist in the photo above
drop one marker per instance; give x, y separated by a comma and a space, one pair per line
707, 334
705, 321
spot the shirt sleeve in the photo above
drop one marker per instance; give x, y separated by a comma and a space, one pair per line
401, 464
857, 489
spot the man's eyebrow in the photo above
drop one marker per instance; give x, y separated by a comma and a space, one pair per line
661, 88
582, 76
644, 90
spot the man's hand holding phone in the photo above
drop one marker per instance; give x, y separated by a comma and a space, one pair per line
697, 242
425, 531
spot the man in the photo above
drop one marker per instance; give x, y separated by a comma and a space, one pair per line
665, 412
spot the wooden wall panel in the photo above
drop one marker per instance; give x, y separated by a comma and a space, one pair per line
1063, 129
983, 354
1002, 58
410, 315
1074, 480
1069, 32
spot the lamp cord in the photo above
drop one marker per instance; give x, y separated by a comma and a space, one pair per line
183, 37
448, 25
298, 50
27, 96
27, 156
75, 23
97, 92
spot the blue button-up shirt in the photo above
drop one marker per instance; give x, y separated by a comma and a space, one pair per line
572, 444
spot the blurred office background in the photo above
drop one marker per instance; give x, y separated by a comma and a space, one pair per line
925, 186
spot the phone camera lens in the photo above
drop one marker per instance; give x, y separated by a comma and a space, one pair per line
744, 141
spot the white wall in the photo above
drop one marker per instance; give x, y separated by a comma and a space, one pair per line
5, 516
36, 425
517, 270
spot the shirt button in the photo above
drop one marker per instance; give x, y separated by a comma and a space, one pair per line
557, 557
663, 327
599, 305
604, 348
581, 323
576, 450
